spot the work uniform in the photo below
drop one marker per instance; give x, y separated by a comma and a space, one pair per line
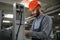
41, 28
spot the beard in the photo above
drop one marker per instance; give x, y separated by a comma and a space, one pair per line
37, 13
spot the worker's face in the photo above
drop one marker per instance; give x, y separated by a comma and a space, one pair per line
35, 12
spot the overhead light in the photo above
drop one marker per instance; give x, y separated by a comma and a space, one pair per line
25, 2
8, 28
29, 17
25, 22
14, 4
8, 15
6, 21
58, 13
58, 31
57, 27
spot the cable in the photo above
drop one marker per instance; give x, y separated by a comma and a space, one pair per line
19, 26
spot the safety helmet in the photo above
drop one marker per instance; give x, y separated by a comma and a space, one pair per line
33, 4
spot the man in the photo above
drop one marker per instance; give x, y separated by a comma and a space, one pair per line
42, 26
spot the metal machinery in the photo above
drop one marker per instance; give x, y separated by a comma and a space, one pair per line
18, 22
0, 18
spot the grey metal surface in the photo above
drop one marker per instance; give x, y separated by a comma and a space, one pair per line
0, 18
16, 24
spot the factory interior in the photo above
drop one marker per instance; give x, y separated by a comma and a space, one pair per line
10, 20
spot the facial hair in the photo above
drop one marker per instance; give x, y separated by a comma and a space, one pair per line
37, 13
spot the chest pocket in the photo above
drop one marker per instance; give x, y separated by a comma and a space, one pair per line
38, 25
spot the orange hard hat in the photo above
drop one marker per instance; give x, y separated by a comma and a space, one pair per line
33, 4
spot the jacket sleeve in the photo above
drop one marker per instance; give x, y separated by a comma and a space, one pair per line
47, 27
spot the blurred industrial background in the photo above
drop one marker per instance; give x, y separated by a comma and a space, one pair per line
50, 7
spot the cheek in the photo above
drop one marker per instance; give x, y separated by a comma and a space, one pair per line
33, 12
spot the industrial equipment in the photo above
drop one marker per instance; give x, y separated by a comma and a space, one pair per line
1, 14
18, 22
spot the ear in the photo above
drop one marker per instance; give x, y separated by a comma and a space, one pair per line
38, 8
